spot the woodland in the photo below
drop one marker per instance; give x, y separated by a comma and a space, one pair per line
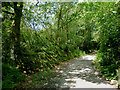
38, 36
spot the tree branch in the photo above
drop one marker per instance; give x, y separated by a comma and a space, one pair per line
8, 12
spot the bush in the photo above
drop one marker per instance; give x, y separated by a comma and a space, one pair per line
10, 76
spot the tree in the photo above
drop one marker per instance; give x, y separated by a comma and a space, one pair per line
15, 27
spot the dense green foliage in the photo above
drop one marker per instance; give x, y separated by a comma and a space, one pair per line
108, 56
51, 33
11, 76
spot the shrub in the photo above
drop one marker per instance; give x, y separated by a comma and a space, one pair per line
10, 76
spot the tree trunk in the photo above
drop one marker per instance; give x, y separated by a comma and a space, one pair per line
16, 30
67, 38
58, 24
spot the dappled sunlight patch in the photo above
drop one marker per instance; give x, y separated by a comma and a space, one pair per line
70, 84
88, 57
74, 72
83, 70
80, 83
87, 69
96, 73
72, 79
61, 71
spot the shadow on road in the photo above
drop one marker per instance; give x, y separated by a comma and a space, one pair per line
77, 73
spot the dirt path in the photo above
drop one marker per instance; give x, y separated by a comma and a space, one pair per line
77, 73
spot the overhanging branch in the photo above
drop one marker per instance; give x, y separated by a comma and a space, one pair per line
8, 12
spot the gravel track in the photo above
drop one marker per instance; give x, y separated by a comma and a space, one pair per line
77, 73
